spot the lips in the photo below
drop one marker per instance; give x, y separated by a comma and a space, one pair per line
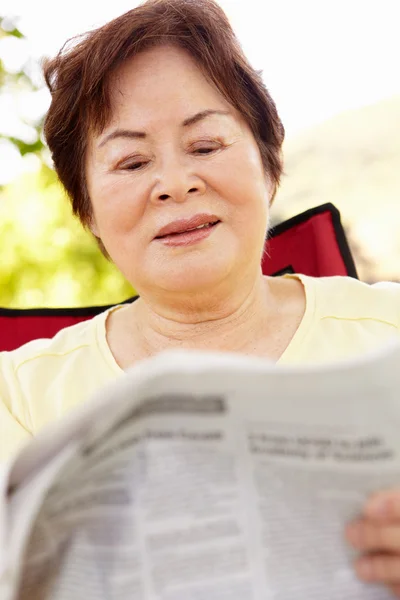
184, 225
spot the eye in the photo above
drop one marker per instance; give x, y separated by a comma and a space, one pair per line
133, 165
206, 149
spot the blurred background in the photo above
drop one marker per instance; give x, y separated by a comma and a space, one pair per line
332, 66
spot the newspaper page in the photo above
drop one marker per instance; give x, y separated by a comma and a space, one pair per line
205, 477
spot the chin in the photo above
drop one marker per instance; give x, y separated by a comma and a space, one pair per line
193, 282
194, 276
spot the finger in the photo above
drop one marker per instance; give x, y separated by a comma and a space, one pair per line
395, 589
384, 505
379, 569
367, 536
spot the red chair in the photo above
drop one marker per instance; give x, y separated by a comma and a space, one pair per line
312, 243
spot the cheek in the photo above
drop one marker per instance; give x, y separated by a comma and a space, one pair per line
118, 206
241, 180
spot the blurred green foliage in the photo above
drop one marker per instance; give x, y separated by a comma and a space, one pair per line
47, 259
20, 79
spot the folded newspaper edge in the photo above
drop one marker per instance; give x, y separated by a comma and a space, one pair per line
90, 416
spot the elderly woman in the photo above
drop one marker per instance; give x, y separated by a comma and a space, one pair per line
169, 146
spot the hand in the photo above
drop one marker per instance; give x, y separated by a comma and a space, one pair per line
377, 536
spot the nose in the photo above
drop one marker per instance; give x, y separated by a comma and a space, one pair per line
176, 181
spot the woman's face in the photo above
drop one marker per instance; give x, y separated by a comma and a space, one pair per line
176, 156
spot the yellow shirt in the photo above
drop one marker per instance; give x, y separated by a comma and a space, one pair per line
46, 378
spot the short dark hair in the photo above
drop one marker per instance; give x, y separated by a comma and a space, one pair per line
78, 79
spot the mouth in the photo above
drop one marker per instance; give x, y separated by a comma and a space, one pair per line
187, 235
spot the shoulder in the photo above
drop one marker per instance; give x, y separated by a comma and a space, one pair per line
42, 380
65, 343
350, 299
344, 318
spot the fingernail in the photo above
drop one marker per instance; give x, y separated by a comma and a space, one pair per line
364, 569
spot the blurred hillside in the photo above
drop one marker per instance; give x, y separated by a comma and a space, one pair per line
353, 161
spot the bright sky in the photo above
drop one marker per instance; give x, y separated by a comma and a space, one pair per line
318, 57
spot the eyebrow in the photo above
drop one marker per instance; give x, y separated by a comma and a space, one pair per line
130, 134
202, 115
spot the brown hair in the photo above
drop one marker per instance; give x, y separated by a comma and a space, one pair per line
78, 79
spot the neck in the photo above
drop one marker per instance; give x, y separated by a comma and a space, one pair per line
229, 322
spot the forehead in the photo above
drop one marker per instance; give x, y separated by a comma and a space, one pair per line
162, 81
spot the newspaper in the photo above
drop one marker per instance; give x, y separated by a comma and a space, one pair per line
204, 477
